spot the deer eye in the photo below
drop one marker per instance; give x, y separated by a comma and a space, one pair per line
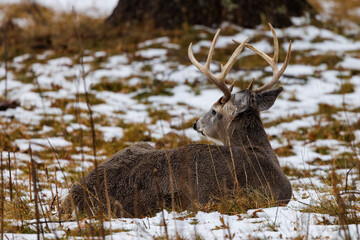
213, 112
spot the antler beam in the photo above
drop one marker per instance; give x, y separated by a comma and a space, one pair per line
218, 80
273, 62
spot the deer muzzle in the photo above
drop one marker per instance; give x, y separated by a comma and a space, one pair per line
196, 128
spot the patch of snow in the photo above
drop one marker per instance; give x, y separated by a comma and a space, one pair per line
121, 71
76, 126
45, 54
60, 61
116, 60
350, 63
111, 133
99, 54
148, 43
87, 59
151, 53
22, 22
38, 144
296, 70
298, 21
90, 7
22, 58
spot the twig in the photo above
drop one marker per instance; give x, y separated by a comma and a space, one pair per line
58, 161
41, 96
2, 197
108, 202
5, 58
342, 212
81, 54
349, 192
44, 215
34, 180
213, 164
52, 192
29, 176
171, 179
351, 130
57, 197
161, 201
10, 179
78, 120
233, 163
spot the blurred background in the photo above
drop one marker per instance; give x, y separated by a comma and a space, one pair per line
48, 24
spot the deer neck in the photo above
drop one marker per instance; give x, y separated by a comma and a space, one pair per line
247, 130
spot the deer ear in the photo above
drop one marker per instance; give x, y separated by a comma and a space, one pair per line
267, 98
241, 101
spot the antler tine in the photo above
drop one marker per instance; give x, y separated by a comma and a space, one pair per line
276, 46
273, 62
225, 69
211, 50
276, 73
208, 60
219, 80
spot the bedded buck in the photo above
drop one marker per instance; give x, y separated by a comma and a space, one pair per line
139, 179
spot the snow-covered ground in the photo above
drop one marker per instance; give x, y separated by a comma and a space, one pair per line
307, 85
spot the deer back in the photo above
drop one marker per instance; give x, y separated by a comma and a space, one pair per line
200, 173
140, 179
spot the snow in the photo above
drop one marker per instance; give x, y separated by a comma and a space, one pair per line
151, 53
21, 58
148, 43
350, 63
217, 226
38, 143
111, 133
113, 61
297, 70
310, 84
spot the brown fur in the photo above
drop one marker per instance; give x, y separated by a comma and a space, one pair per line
132, 186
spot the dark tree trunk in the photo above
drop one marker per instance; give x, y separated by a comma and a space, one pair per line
170, 14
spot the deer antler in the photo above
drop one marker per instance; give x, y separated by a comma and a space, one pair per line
273, 62
218, 80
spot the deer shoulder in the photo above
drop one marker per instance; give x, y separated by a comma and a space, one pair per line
139, 179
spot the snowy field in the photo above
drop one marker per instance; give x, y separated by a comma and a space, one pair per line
315, 120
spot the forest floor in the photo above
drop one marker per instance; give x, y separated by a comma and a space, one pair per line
152, 93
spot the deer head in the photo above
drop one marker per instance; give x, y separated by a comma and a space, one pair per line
215, 124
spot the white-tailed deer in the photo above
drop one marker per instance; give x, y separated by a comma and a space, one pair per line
140, 179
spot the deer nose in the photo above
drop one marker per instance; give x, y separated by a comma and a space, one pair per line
194, 126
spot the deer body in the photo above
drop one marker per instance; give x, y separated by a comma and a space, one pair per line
127, 185
130, 175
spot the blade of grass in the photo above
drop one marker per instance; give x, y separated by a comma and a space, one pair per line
81, 54
41, 96
341, 204
161, 201
10, 178
30, 180
57, 196
78, 120
213, 164
2, 197
108, 202
5, 58
34, 181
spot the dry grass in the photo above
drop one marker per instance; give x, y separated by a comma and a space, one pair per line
47, 30
340, 12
